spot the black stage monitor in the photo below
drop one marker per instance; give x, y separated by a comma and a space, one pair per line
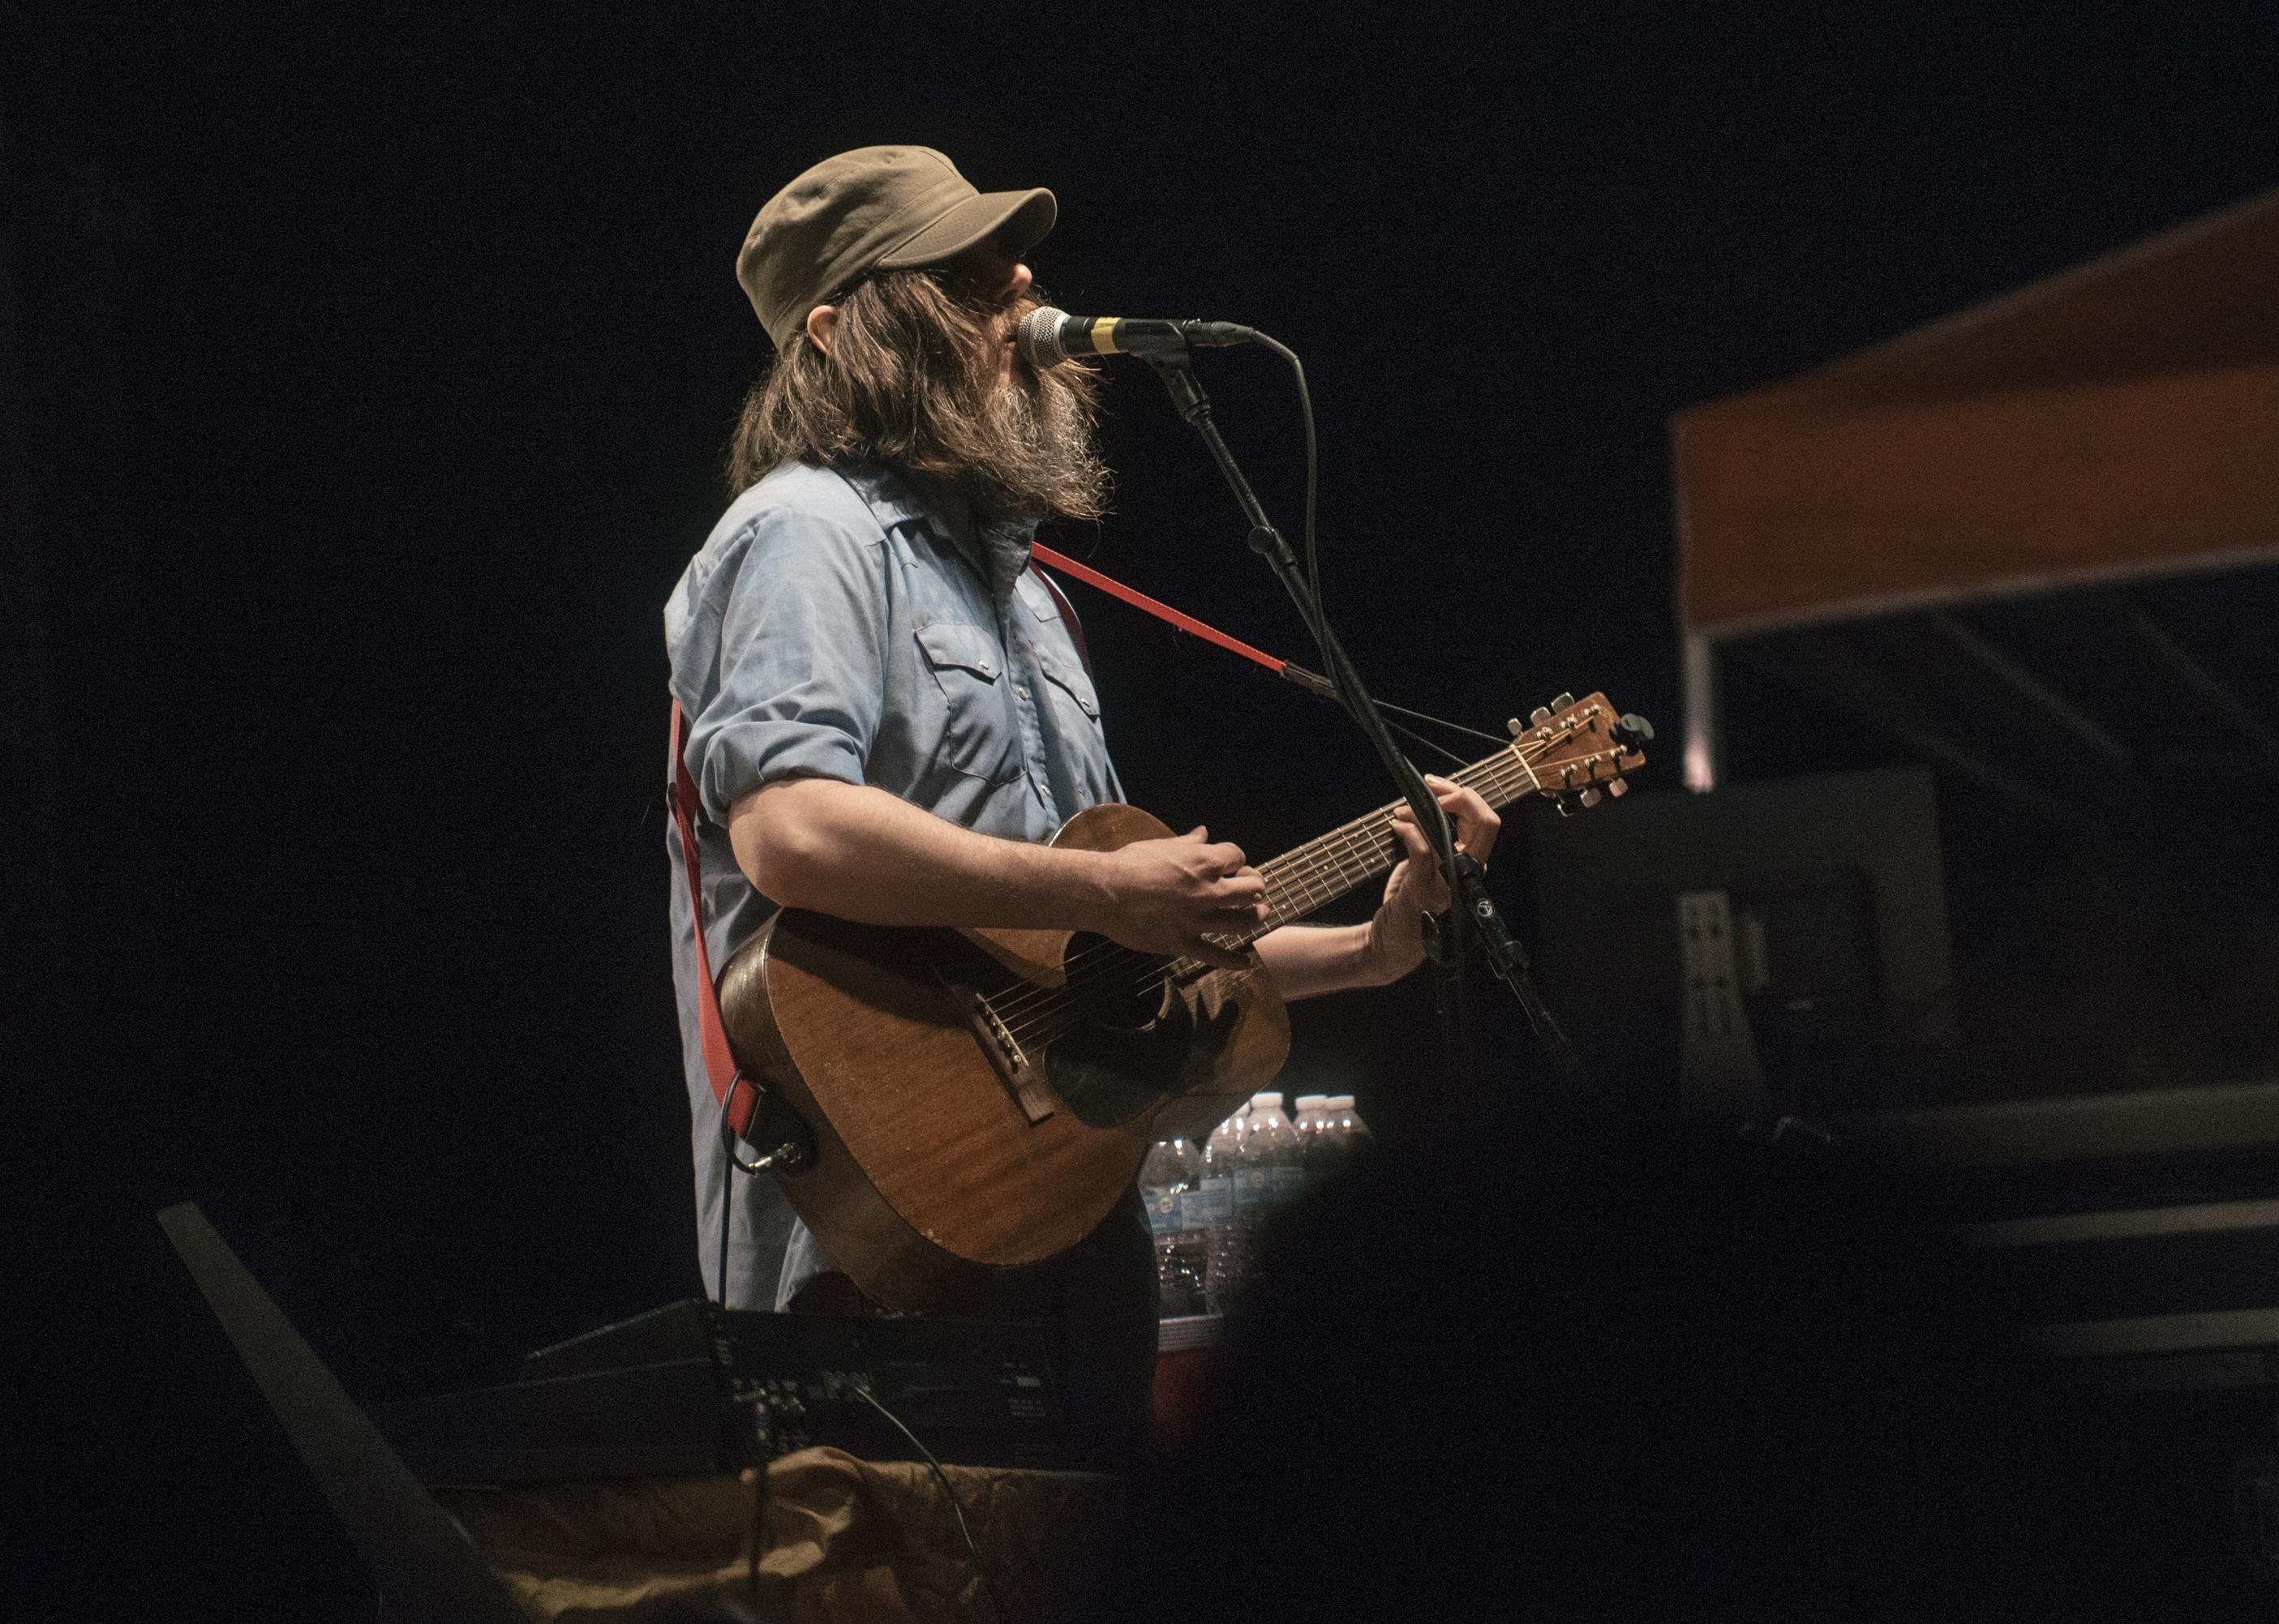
1778, 946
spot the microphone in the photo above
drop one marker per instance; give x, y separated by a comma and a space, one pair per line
1046, 337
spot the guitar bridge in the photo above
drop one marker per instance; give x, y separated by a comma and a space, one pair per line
1023, 1073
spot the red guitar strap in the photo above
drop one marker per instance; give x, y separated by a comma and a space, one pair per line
1060, 602
1139, 600
719, 1064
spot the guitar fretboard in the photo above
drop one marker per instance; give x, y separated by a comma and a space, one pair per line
1309, 877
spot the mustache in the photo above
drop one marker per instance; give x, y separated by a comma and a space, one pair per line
1010, 316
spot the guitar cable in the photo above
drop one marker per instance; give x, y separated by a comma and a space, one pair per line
727, 1204
861, 1390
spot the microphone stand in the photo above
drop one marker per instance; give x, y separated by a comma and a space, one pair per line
1471, 909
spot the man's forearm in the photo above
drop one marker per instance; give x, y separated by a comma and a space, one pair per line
862, 854
1307, 960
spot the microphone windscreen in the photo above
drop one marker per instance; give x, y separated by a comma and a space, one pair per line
1039, 337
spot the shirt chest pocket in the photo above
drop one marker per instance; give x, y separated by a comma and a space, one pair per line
965, 712
1071, 693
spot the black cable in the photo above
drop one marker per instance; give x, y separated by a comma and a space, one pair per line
727, 1206
1453, 727
1194, 406
981, 1572
1314, 556
1313, 480
1312, 476
1443, 837
1420, 740
1313, 549
1445, 841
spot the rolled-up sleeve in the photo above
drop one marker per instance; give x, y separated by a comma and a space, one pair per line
801, 619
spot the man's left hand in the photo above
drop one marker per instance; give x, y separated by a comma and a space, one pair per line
1396, 936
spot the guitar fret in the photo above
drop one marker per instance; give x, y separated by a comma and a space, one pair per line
1323, 869
1309, 876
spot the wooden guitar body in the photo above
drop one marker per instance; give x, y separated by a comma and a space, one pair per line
960, 1114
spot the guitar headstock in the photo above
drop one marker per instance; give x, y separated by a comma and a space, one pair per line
1573, 747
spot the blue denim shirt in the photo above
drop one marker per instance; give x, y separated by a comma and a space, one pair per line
851, 625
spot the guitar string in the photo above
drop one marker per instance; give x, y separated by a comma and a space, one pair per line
1356, 850
1318, 872
1067, 1011
1301, 866
1308, 877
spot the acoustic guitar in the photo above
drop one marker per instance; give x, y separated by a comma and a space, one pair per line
960, 1103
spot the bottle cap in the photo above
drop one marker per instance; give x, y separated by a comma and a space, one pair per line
1341, 1102
1309, 1102
1272, 1102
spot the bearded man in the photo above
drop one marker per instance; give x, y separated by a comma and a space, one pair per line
888, 710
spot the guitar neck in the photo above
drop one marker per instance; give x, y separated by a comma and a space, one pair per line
1311, 877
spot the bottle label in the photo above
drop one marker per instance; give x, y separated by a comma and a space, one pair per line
1164, 1211
1206, 1205
1251, 1189
1283, 1184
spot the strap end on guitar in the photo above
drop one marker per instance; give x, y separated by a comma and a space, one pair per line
735, 1123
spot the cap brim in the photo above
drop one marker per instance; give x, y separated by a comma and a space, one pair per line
1022, 217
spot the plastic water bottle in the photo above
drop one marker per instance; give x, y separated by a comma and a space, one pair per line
1340, 1135
1273, 1147
1167, 1182
1267, 1171
1313, 1118
1214, 1202
1308, 1120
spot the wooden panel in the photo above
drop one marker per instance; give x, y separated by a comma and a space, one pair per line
1789, 514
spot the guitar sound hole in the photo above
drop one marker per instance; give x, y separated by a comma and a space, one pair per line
1114, 988
1119, 1059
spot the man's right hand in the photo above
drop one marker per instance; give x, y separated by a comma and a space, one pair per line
1167, 896
857, 853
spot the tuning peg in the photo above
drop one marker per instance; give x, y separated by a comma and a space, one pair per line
1635, 726
1618, 787
1589, 797
1565, 803
1562, 702
1539, 714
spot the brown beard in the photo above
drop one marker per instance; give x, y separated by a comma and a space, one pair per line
914, 377
1053, 467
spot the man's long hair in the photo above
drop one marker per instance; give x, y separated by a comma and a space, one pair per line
912, 379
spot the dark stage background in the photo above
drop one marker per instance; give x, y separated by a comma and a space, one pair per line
367, 379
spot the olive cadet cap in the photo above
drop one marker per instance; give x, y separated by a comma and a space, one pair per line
874, 209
